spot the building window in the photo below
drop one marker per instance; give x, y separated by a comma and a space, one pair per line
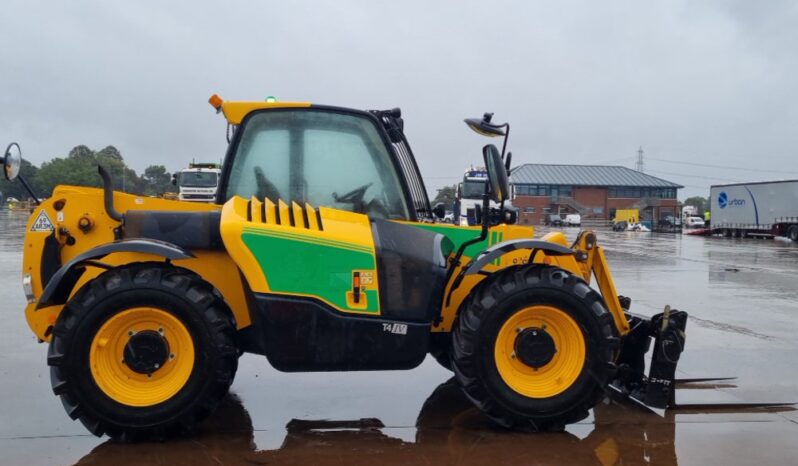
566, 191
529, 210
546, 210
626, 192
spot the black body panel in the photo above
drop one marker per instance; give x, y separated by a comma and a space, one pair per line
51, 259
411, 270
189, 230
305, 334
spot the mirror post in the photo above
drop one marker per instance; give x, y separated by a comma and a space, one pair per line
29, 190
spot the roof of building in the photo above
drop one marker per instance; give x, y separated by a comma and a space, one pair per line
586, 175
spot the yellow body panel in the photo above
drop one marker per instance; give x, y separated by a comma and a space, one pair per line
221, 268
348, 230
214, 266
235, 111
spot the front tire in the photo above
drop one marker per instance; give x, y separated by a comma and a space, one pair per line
143, 351
534, 347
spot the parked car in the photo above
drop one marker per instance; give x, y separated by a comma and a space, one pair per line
572, 220
554, 220
694, 222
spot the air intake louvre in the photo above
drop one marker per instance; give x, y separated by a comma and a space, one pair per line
295, 215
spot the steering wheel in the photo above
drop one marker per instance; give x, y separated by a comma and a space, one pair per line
355, 197
266, 189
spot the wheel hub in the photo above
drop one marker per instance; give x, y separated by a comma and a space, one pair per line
535, 347
146, 352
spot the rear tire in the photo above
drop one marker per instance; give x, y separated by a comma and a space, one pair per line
792, 232
513, 392
143, 351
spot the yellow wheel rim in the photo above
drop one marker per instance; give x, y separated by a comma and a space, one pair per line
131, 388
557, 374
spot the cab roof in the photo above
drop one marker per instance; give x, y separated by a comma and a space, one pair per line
235, 111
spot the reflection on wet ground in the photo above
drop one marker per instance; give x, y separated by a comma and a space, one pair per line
743, 307
449, 430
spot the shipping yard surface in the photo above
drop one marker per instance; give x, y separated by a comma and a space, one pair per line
743, 303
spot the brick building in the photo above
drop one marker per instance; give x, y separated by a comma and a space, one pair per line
594, 191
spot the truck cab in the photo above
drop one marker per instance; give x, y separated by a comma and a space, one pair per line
467, 209
199, 182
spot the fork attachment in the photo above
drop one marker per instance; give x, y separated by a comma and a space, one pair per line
666, 330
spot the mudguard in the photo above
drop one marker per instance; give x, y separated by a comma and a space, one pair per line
60, 285
497, 250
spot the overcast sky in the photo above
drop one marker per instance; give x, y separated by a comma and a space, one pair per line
709, 83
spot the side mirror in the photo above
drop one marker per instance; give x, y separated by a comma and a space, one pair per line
507, 160
12, 161
497, 174
174, 179
484, 126
439, 210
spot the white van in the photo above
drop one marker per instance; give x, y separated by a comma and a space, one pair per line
572, 220
694, 222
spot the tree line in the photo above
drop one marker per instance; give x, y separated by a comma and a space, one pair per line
80, 168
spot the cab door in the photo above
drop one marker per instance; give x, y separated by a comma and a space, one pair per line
303, 187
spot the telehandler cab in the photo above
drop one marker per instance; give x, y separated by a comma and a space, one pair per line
148, 303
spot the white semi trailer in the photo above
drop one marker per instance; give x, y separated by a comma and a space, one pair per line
750, 209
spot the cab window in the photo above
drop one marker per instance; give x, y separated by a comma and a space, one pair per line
323, 158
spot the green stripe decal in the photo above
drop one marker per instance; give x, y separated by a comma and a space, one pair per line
460, 235
303, 265
309, 239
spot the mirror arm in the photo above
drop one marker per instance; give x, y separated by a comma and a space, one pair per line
504, 149
28, 189
485, 213
506, 136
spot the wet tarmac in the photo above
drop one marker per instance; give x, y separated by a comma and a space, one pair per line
743, 304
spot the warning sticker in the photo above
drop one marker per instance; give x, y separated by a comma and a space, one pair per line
42, 223
366, 278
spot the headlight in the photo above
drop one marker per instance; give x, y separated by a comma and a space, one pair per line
27, 287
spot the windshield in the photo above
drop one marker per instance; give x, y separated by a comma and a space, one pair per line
473, 189
198, 179
322, 158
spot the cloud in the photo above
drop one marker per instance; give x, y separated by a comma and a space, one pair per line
580, 82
